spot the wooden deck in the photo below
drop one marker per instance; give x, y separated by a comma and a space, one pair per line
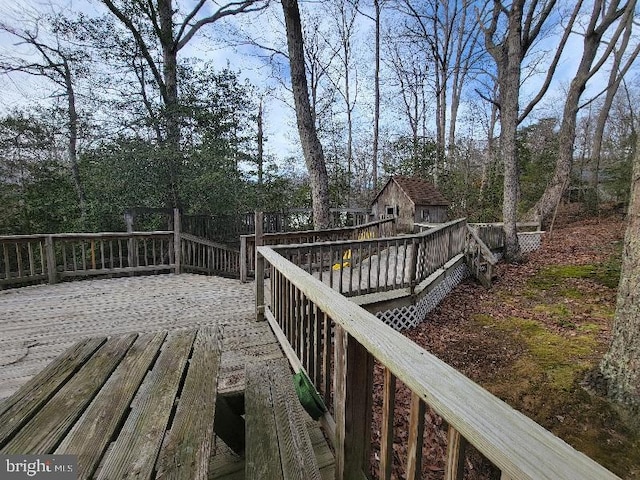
39, 323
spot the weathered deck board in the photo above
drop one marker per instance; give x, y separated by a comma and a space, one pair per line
15, 413
49, 426
188, 445
93, 433
39, 323
141, 436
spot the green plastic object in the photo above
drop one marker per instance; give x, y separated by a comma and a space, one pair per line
308, 396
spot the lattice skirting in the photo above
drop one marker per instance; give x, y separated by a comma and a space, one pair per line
412, 315
530, 241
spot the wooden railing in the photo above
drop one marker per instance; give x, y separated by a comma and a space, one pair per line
51, 258
336, 342
359, 267
492, 234
376, 229
203, 256
480, 259
34, 258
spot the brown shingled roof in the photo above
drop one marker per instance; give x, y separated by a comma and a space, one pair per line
420, 191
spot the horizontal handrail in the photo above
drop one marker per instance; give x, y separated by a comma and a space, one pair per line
87, 235
517, 445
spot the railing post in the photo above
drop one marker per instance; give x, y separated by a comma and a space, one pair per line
176, 240
131, 244
259, 270
353, 400
413, 266
243, 259
51, 259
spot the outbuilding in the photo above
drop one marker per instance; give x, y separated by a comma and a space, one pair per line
412, 200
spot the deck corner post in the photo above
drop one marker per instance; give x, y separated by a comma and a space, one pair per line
259, 269
176, 240
353, 384
51, 259
243, 258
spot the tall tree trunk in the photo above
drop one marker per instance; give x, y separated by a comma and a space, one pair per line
311, 146
172, 110
72, 115
620, 366
509, 84
376, 107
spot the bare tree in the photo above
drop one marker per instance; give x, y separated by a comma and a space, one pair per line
603, 18
345, 77
408, 63
619, 68
57, 62
452, 35
172, 30
524, 23
311, 146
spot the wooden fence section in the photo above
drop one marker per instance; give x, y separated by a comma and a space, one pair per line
336, 342
34, 258
359, 267
376, 229
203, 256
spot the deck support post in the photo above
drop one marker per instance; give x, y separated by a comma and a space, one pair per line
51, 259
259, 269
353, 384
176, 240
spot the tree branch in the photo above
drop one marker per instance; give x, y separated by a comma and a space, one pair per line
141, 44
554, 64
232, 8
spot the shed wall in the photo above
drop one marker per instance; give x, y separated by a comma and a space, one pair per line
393, 196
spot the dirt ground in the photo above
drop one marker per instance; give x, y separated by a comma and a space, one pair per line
531, 340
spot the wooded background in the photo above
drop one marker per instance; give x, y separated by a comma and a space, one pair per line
505, 107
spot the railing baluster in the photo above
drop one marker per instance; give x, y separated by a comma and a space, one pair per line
326, 358
102, 253
19, 259
32, 270
456, 445
83, 248
42, 258
416, 436
386, 435
93, 254
7, 265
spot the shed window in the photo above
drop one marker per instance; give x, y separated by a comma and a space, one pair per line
425, 215
390, 210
